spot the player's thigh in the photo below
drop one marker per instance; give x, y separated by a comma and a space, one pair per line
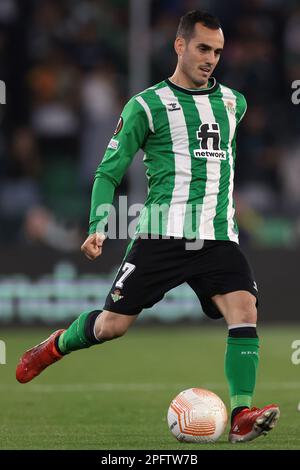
224, 270
150, 268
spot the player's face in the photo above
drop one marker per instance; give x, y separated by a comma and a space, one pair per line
198, 57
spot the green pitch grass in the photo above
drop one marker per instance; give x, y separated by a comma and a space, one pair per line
116, 396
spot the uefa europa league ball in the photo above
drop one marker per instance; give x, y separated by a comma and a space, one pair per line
197, 415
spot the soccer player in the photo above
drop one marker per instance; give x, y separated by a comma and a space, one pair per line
187, 127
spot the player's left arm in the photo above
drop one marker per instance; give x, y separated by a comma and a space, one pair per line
241, 107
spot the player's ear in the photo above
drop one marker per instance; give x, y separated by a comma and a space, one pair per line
179, 45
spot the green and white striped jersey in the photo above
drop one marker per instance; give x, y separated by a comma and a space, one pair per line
189, 140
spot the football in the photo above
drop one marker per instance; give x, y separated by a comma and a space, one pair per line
197, 415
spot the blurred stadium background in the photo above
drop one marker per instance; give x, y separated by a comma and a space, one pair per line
69, 66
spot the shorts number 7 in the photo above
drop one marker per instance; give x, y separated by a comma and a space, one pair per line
127, 269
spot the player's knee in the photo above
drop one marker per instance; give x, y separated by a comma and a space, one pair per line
247, 312
110, 332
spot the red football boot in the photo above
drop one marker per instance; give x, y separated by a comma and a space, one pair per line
36, 359
251, 423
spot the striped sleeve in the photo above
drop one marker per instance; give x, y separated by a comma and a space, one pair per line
130, 135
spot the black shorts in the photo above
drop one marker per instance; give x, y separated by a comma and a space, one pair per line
152, 267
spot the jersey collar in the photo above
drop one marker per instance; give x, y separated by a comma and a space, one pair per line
203, 91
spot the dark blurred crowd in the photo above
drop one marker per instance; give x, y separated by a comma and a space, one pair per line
65, 65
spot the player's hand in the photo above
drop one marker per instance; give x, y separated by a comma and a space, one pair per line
92, 247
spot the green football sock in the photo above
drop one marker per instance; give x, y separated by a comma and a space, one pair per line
79, 335
241, 362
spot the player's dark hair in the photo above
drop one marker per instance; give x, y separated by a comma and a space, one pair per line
187, 23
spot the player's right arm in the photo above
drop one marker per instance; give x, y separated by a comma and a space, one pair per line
130, 135
92, 247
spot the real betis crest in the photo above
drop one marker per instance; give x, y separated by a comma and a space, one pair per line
230, 106
116, 295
